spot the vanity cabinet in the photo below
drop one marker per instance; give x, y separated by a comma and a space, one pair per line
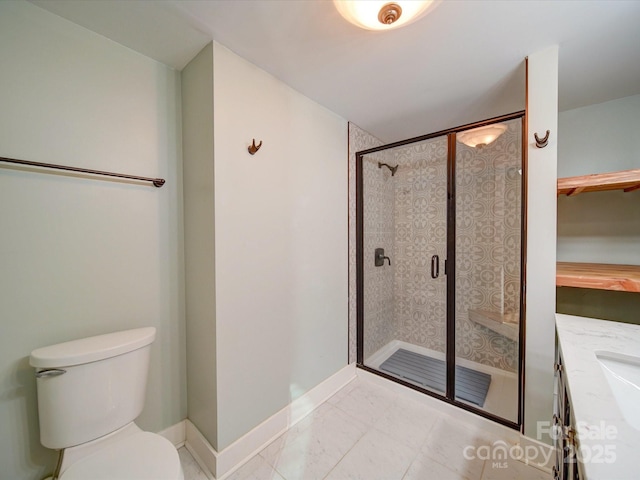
624, 278
566, 465
597, 435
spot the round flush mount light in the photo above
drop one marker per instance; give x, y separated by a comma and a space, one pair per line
482, 136
389, 13
383, 14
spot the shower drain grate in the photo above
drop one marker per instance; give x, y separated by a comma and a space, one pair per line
471, 385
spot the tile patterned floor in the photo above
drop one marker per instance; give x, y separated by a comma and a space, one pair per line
370, 432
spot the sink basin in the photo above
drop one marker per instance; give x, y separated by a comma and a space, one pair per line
623, 374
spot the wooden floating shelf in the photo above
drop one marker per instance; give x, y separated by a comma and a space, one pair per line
622, 278
626, 180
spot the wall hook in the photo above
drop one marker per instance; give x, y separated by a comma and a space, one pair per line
393, 169
542, 142
253, 148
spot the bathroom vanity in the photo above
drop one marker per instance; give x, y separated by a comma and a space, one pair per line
597, 391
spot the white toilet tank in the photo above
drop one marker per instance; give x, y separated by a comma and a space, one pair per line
91, 387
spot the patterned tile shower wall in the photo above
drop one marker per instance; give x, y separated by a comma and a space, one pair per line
358, 140
379, 227
406, 215
420, 233
488, 232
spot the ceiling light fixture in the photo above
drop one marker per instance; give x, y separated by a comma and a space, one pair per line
482, 136
383, 14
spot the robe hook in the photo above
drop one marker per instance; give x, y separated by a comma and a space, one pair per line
542, 142
253, 148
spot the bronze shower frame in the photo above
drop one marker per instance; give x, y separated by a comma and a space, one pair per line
449, 395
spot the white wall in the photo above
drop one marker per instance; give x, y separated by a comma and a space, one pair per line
280, 244
602, 227
542, 115
78, 256
599, 138
599, 227
199, 211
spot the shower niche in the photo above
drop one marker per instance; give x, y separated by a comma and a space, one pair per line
441, 312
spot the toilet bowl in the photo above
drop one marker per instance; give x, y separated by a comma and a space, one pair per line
90, 391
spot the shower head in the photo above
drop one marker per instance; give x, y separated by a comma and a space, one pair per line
393, 169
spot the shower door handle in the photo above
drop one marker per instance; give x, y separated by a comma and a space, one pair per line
435, 266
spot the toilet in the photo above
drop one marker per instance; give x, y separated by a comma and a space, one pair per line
90, 391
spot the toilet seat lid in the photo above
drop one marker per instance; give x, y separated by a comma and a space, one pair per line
141, 456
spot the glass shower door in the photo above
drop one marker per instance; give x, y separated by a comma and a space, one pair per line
439, 258
488, 190
404, 247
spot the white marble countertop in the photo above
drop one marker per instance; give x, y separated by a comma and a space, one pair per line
604, 435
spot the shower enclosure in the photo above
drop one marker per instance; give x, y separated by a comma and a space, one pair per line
440, 261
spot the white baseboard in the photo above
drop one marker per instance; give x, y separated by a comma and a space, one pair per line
201, 450
176, 434
223, 463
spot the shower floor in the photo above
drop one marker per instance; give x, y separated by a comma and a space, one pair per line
502, 397
471, 385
